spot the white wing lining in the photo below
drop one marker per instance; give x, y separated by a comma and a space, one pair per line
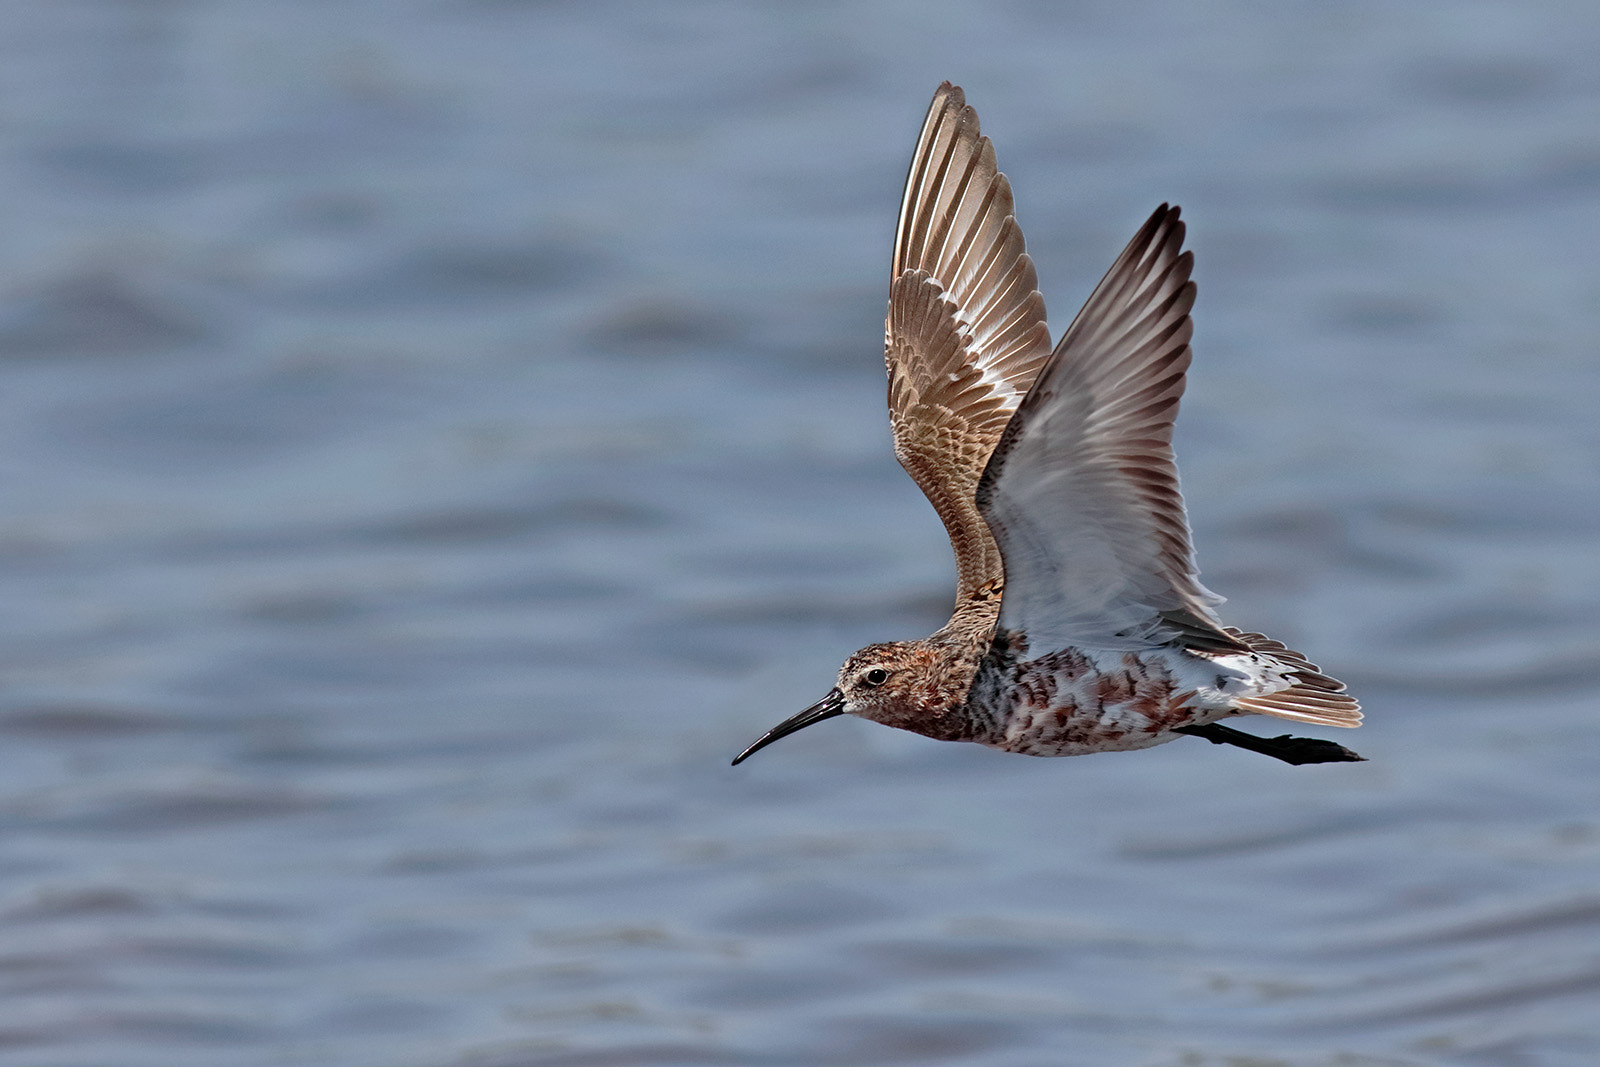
1082, 492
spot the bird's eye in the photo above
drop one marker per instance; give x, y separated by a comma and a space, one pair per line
875, 677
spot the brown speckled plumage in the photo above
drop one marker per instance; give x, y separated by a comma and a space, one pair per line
1080, 623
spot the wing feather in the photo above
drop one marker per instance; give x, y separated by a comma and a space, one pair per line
1082, 491
966, 332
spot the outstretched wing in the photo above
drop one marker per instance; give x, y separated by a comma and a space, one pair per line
966, 332
1082, 491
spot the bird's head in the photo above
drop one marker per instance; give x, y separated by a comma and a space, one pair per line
894, 684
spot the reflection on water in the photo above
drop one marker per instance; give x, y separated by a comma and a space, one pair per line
438, 437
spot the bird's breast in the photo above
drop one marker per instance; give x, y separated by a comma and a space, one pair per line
1077, 701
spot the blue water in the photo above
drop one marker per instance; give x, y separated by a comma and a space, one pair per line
435, 437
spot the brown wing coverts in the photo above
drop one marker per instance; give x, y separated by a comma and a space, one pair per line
966, 332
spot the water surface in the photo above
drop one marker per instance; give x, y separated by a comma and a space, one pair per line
435, 437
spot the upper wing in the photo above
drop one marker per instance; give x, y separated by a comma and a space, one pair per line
966, 333
1082, 492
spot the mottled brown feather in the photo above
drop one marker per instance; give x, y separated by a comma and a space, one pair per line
966, 332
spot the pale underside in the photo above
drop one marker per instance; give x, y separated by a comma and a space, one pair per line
1082, 490
1053, 472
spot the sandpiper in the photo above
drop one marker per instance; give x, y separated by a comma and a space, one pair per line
1080, 622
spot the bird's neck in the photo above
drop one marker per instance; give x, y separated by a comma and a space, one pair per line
964, 643
972, 625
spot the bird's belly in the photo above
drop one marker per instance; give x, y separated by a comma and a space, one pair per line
1072, 703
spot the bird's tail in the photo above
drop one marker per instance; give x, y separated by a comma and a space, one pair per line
1313, 698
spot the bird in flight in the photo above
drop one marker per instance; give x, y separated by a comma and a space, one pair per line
1080, 623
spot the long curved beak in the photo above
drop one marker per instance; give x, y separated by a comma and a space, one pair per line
826, 708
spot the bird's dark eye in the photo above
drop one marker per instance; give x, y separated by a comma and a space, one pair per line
875, 677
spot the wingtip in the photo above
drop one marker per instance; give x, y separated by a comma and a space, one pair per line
948, 97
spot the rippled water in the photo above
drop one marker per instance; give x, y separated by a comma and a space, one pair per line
435, 437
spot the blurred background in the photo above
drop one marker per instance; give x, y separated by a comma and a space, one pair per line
436, 436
